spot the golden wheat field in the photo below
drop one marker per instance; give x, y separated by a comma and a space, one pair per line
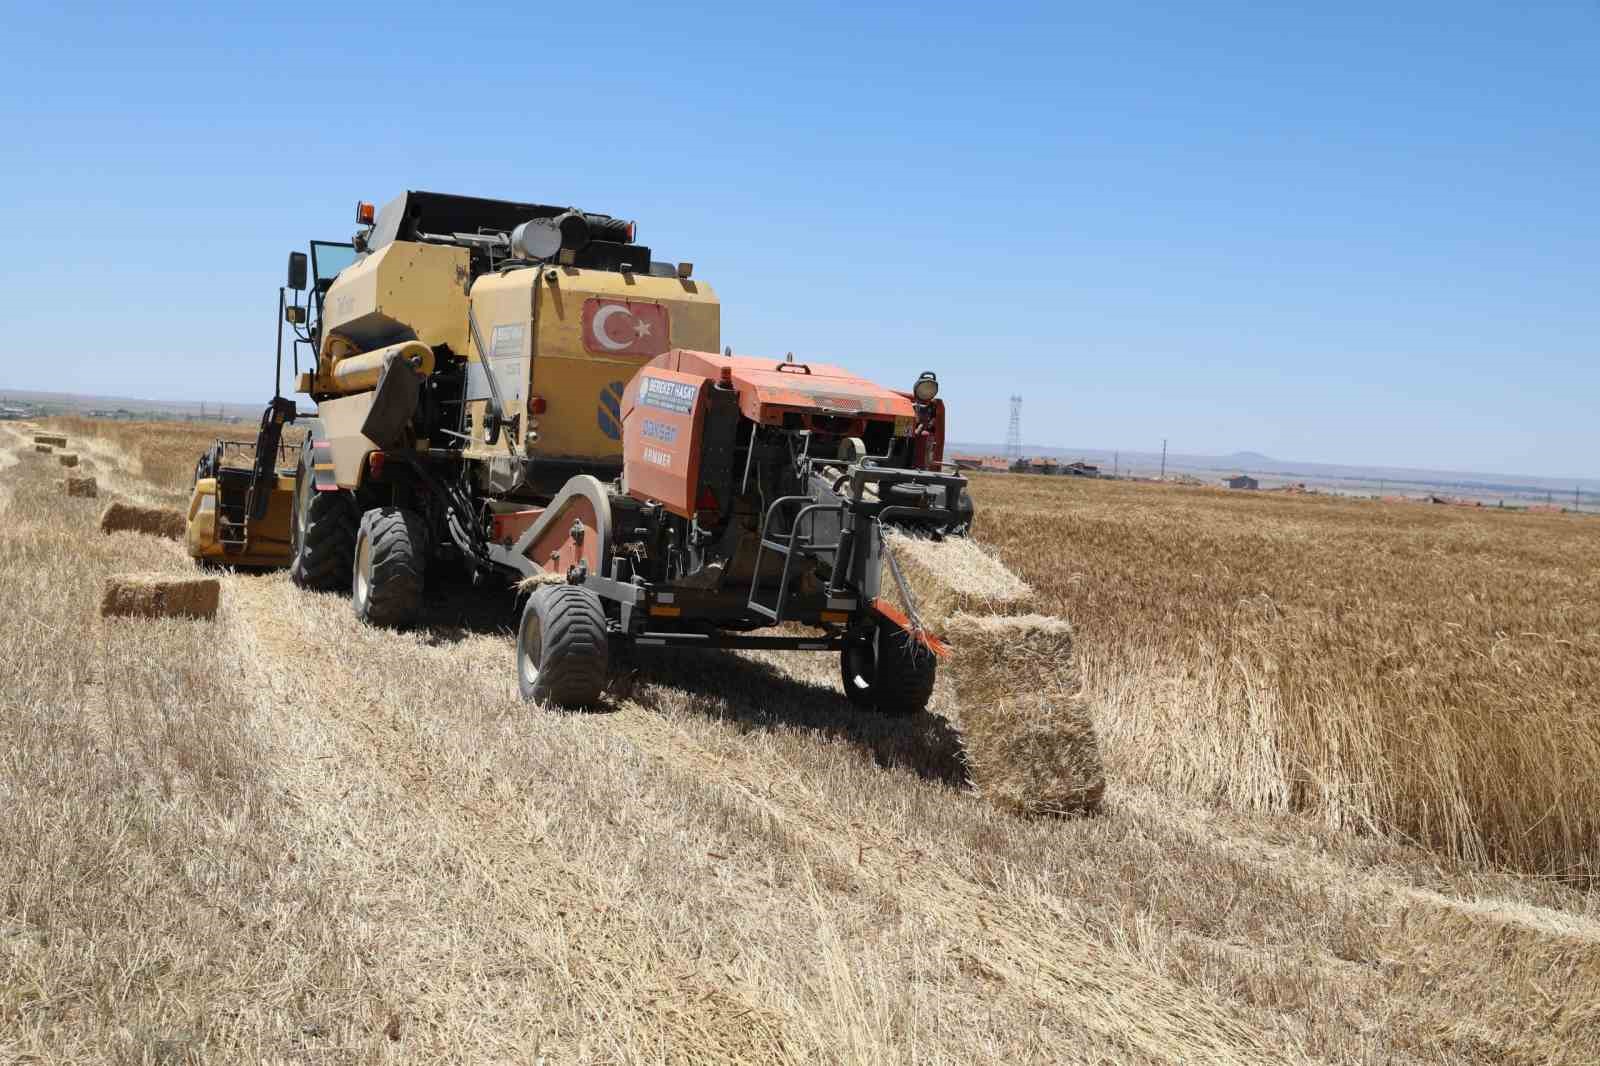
1350, 753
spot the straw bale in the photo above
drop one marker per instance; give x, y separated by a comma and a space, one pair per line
159, 596
157, 521
1027, 728
541, 577
954, 575
45, 448
82, 486
68, 458
52, 439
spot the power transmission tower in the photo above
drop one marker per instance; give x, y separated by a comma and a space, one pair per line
1014, 433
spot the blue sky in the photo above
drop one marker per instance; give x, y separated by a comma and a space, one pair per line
1348, 233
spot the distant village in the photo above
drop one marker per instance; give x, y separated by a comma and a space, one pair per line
17, 408
999, 464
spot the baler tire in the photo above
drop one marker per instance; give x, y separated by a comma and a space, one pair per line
892, 674
390, 563
858, 670
562, 647
322, 534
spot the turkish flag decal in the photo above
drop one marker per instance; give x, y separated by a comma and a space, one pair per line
624, 327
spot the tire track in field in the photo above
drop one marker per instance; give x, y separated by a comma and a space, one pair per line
367, 769
1072, 977
1030, 944
357, 733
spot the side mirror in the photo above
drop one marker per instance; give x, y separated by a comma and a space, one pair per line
295, 315
297, 271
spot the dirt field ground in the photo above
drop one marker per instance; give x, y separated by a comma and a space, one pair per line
283, 837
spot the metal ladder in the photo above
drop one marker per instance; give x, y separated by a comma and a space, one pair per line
233, 530
796, 545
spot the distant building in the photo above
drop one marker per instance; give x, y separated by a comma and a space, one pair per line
990, 463
1079, 468
1035, 466
1241, 481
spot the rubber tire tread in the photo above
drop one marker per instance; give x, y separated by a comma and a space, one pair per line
394, 592
323, 561
906, 672
864, 698
574, 649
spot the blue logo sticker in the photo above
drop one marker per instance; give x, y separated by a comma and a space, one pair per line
609, 412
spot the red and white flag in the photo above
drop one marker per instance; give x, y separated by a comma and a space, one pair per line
623, 327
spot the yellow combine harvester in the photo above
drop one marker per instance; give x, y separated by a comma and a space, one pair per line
511, 390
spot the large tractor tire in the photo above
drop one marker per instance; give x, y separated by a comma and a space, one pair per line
322, 532
890, 672
391, 560
562, 648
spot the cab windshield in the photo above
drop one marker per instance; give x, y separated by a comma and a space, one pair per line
327, 259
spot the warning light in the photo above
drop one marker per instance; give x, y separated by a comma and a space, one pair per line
633, 231
365, 213
375, 463
536, 404
707, 500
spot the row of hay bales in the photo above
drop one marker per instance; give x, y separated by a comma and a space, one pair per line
139, 595
1027, 729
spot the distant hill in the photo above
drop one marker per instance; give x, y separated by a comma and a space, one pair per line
1365, 480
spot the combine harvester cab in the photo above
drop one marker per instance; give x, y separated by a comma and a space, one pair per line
520, 392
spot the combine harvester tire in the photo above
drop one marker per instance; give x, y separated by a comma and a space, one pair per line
391, 554
562, 647
322, 536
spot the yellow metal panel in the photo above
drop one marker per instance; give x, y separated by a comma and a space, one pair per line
342, 419
503, 306
582, 389
403, 291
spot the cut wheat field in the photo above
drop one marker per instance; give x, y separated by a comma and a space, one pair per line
1351, 754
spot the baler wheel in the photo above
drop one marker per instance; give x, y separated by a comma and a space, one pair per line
891, 673
391, 555
562, 647
322, 534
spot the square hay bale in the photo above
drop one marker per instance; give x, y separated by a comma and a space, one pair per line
68, 458
1028, 732
82, 486
45, 448
160, 596
156, 521
51, 439
954, 575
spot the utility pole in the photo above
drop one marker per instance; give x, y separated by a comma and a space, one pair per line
1116, 465
1163, 458
1014, 430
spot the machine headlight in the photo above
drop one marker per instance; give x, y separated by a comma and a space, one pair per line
926, 388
